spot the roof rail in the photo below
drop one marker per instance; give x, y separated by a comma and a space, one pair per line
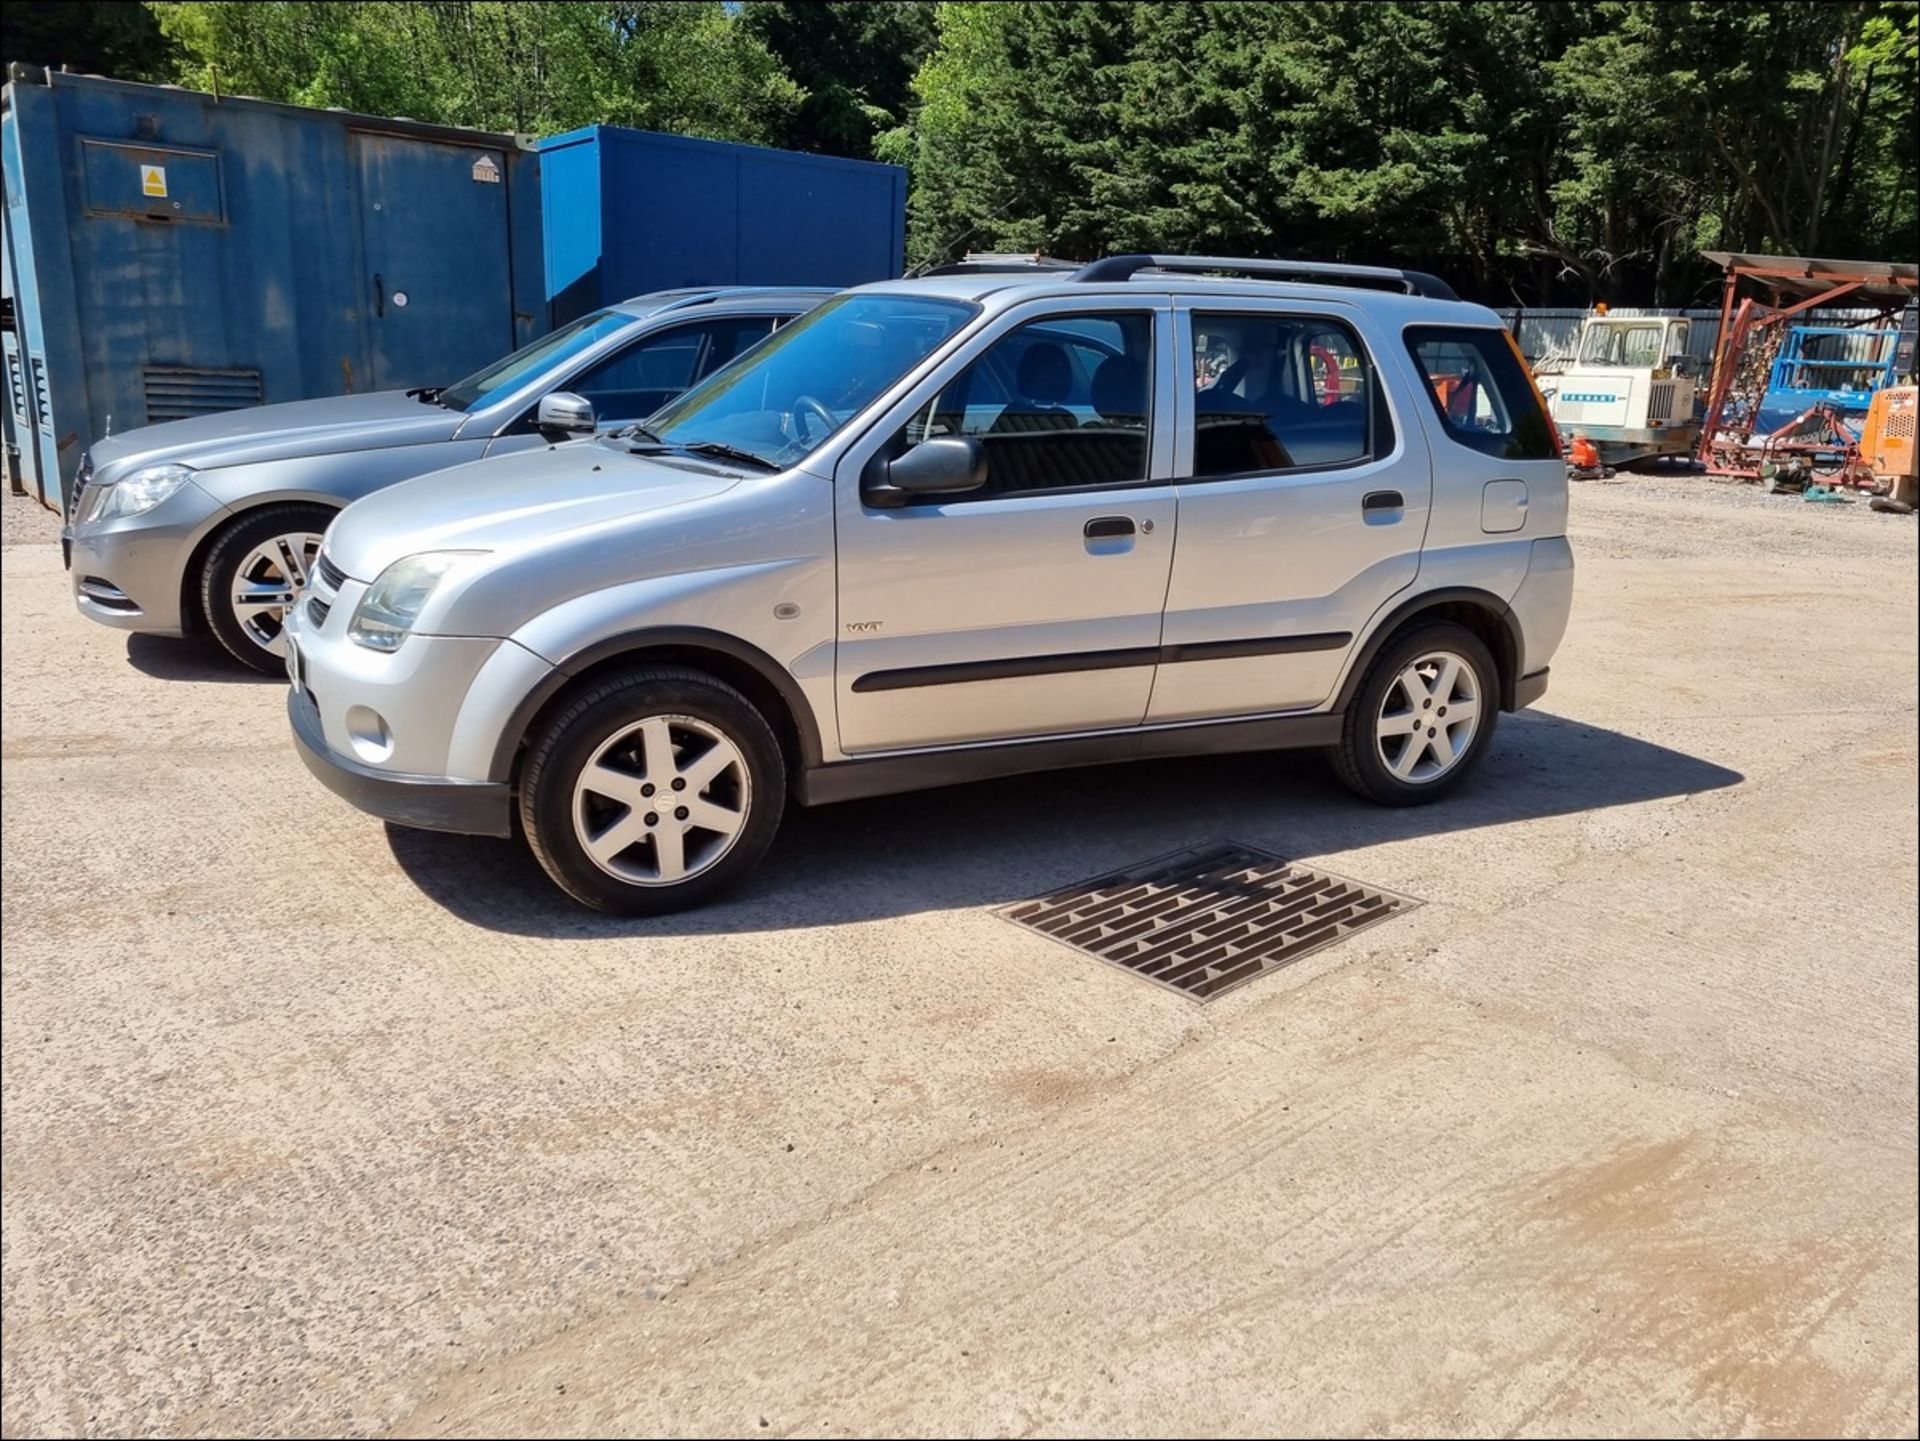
984, 263
1313, 272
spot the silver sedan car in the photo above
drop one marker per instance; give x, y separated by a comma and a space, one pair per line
214, 522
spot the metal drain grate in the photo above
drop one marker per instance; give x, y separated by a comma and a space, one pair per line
1205, 920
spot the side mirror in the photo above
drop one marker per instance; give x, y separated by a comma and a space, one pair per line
564, 414
933, 467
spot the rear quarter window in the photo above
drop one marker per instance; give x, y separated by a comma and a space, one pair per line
1482, 392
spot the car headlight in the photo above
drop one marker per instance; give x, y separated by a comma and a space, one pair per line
386, 613
139, 492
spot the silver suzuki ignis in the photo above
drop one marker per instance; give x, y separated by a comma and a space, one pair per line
953, 527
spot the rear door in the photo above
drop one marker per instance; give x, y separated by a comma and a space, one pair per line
433, 224
1032, 606
1304, 493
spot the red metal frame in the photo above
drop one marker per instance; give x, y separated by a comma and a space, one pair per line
1740, 457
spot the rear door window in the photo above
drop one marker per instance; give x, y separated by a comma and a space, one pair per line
1482, 392
1278, 393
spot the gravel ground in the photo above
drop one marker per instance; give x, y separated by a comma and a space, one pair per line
314, 1127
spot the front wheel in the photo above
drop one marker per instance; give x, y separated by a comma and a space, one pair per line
653, 791
1422, 717
253, 575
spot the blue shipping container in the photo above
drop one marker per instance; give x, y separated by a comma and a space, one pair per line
628, 211
171, 253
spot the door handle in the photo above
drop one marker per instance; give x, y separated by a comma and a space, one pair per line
1383, 500
379, 295
1108, 527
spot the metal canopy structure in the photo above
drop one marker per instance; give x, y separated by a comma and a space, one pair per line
1792, 285
1883, 284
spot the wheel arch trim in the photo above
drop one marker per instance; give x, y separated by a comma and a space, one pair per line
1507, 652
650, 639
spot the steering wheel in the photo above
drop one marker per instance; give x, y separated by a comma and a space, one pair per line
815, 408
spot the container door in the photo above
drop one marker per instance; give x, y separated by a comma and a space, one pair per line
439, 291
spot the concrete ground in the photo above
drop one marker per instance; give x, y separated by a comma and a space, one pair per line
312, 1126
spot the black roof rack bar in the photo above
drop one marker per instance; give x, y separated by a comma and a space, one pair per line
1313, 272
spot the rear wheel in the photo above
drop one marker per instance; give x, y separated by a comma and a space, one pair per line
253, 574
1422, 717
653, 791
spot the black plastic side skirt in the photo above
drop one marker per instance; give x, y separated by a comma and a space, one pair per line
889, 775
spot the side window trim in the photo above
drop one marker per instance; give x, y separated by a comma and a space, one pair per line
1380, 408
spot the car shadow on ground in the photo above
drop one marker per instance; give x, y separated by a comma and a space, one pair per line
997, 841
193, 657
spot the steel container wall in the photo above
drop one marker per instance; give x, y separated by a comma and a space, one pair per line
629, 211
171, 253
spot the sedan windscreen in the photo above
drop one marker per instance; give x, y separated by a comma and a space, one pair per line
501, 378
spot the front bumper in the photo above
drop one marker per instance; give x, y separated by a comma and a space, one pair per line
434, 803
128, 573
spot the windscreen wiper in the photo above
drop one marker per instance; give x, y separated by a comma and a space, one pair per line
635, 429
720, 450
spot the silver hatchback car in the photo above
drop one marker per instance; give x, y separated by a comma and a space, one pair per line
215, 521
948, 528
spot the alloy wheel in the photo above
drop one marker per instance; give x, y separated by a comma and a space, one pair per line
1428, 717
662, 800
269, 579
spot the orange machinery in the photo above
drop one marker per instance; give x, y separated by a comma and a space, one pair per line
1887, 443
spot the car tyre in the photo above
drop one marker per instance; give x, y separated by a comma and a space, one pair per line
653, 790
267, 548
1422, 717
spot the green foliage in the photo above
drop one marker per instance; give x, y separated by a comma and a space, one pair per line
1567, 148
855, 63
520, 65
1525, 148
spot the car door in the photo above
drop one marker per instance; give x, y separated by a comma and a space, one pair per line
1031, 606
1303, 495
638, 378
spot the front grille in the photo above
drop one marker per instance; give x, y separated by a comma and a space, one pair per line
317, 611
331, 576
1206, 920
176, 392
81, 478
1660, 401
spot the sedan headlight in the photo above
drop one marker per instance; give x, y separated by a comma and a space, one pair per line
137, 493
386, 613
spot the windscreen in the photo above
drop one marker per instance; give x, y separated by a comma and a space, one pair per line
789, 393
503, 377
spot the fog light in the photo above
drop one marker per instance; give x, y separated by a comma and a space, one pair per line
372, 741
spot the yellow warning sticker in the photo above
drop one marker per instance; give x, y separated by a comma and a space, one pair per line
153, 180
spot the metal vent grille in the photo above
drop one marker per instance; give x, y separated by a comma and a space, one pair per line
331, 576
1900, 425
42, 406
1660, 401
317, 611
17, 387
175, 392
1206, 920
